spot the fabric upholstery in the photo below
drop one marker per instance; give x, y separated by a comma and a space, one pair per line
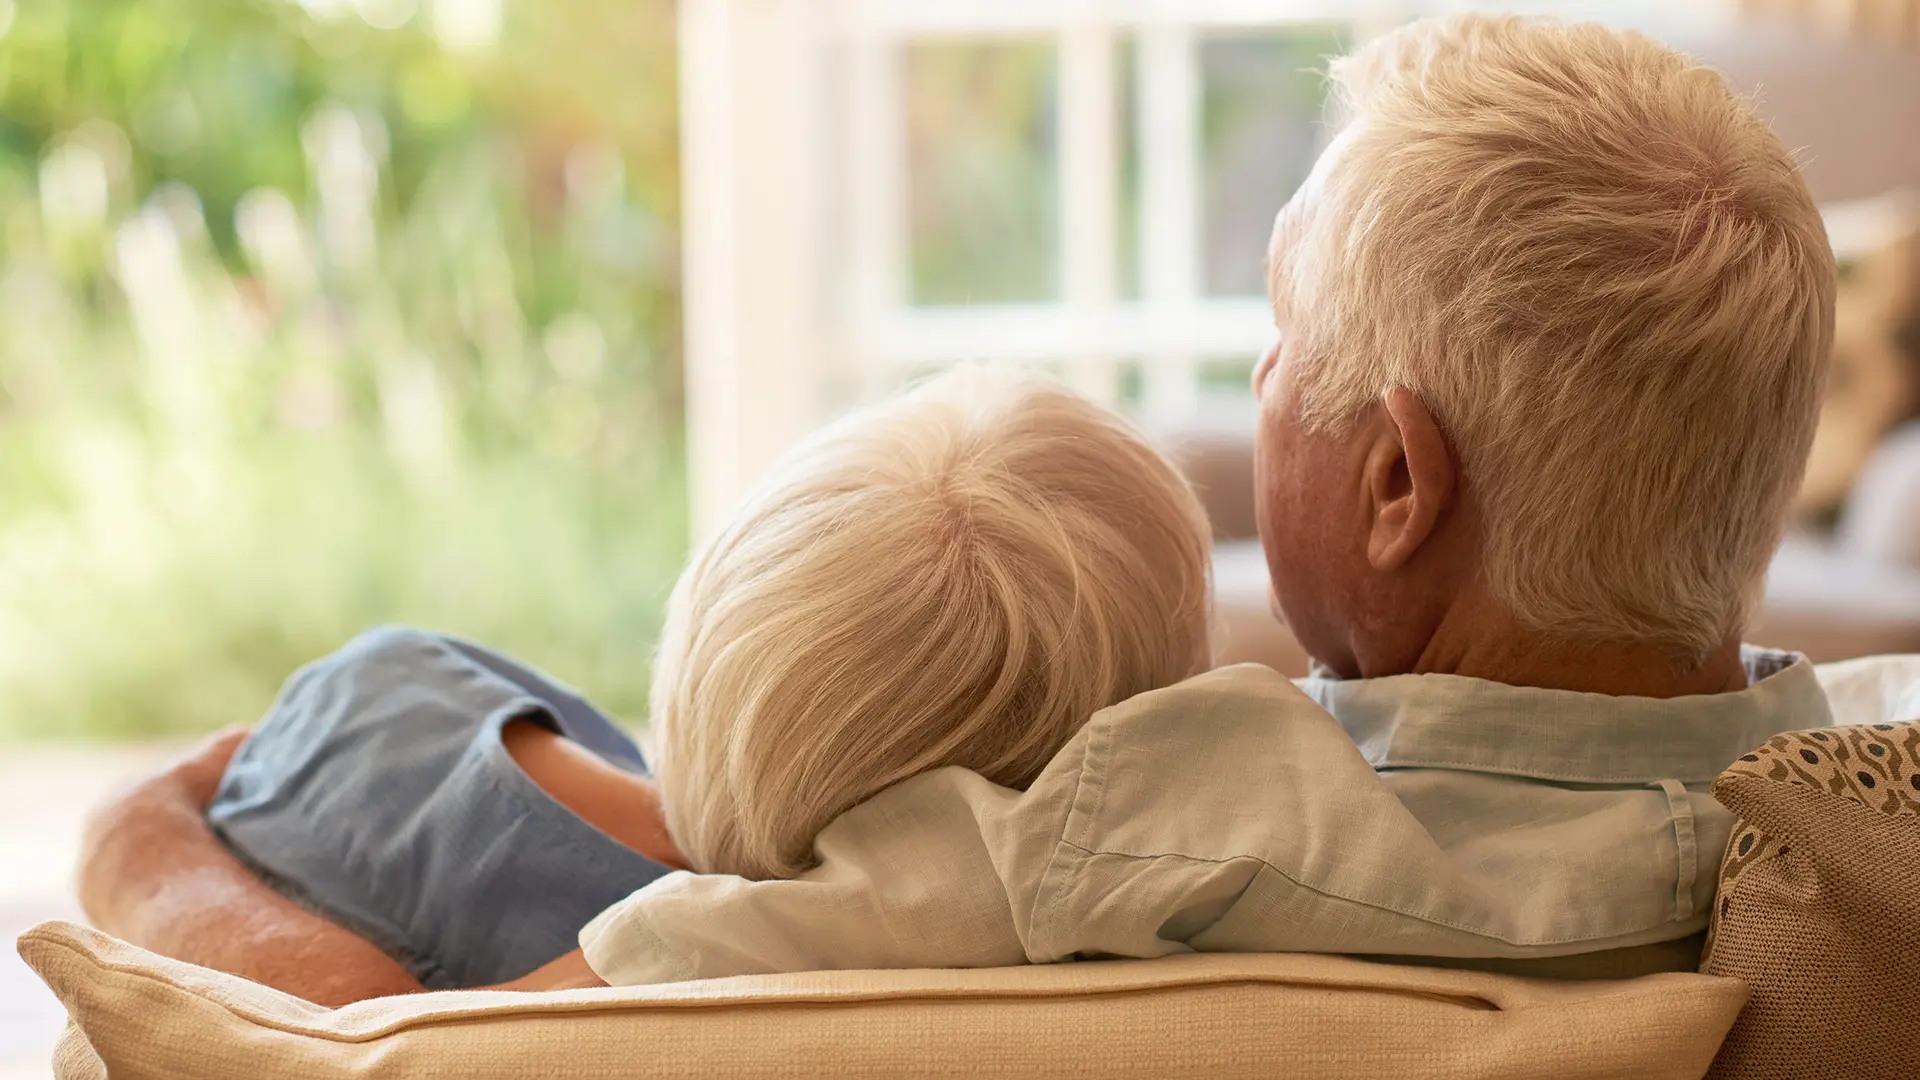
136, 1015
1882, 522
1819, 905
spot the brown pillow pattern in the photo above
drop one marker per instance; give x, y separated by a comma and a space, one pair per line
1819, 905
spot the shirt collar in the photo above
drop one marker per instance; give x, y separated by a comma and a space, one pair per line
1454, 722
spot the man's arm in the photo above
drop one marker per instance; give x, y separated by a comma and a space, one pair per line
570, 972
153, 873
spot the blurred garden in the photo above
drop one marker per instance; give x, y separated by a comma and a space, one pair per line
321, 315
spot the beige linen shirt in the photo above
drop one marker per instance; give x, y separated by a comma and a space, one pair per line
1425, 816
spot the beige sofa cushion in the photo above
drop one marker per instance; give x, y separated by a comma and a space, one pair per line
138, 1015
1818, 909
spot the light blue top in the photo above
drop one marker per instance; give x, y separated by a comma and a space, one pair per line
1426, 816
377, 792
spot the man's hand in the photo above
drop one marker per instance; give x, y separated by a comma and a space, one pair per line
153, 873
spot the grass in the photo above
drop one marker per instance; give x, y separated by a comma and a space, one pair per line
178, 614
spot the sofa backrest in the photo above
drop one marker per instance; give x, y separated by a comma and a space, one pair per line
137, 1015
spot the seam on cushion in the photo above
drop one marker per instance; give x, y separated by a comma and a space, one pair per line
1476, 1002
1691, 988
1557, 776
1376, 906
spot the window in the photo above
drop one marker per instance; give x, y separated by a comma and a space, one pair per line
876, 188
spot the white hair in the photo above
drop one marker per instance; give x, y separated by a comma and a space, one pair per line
960, 576
1608, 281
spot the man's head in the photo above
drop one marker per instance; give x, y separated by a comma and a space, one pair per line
1554, 313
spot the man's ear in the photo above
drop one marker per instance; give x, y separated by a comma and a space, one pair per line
1410, 480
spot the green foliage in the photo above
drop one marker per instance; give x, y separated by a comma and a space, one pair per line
307, 326
984, 178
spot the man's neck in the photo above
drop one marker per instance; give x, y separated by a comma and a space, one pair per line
1495, 647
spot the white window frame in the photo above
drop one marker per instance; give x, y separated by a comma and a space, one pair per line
795, 310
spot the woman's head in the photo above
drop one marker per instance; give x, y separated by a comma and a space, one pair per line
960, 576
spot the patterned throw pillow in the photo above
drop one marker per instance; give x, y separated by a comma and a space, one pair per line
1819, 905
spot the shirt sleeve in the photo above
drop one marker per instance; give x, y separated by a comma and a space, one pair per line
949, 870
940, 870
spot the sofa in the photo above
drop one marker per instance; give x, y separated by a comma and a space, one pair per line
1808, 973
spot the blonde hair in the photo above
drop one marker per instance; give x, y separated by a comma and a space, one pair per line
960, 576
1608, 281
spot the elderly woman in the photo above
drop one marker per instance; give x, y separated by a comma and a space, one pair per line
956, 577
1554, 311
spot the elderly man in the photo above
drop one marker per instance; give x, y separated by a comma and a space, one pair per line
1553, 310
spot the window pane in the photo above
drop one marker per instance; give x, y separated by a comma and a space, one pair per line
983, 172
1227, 376
1127, 147
1261, 128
